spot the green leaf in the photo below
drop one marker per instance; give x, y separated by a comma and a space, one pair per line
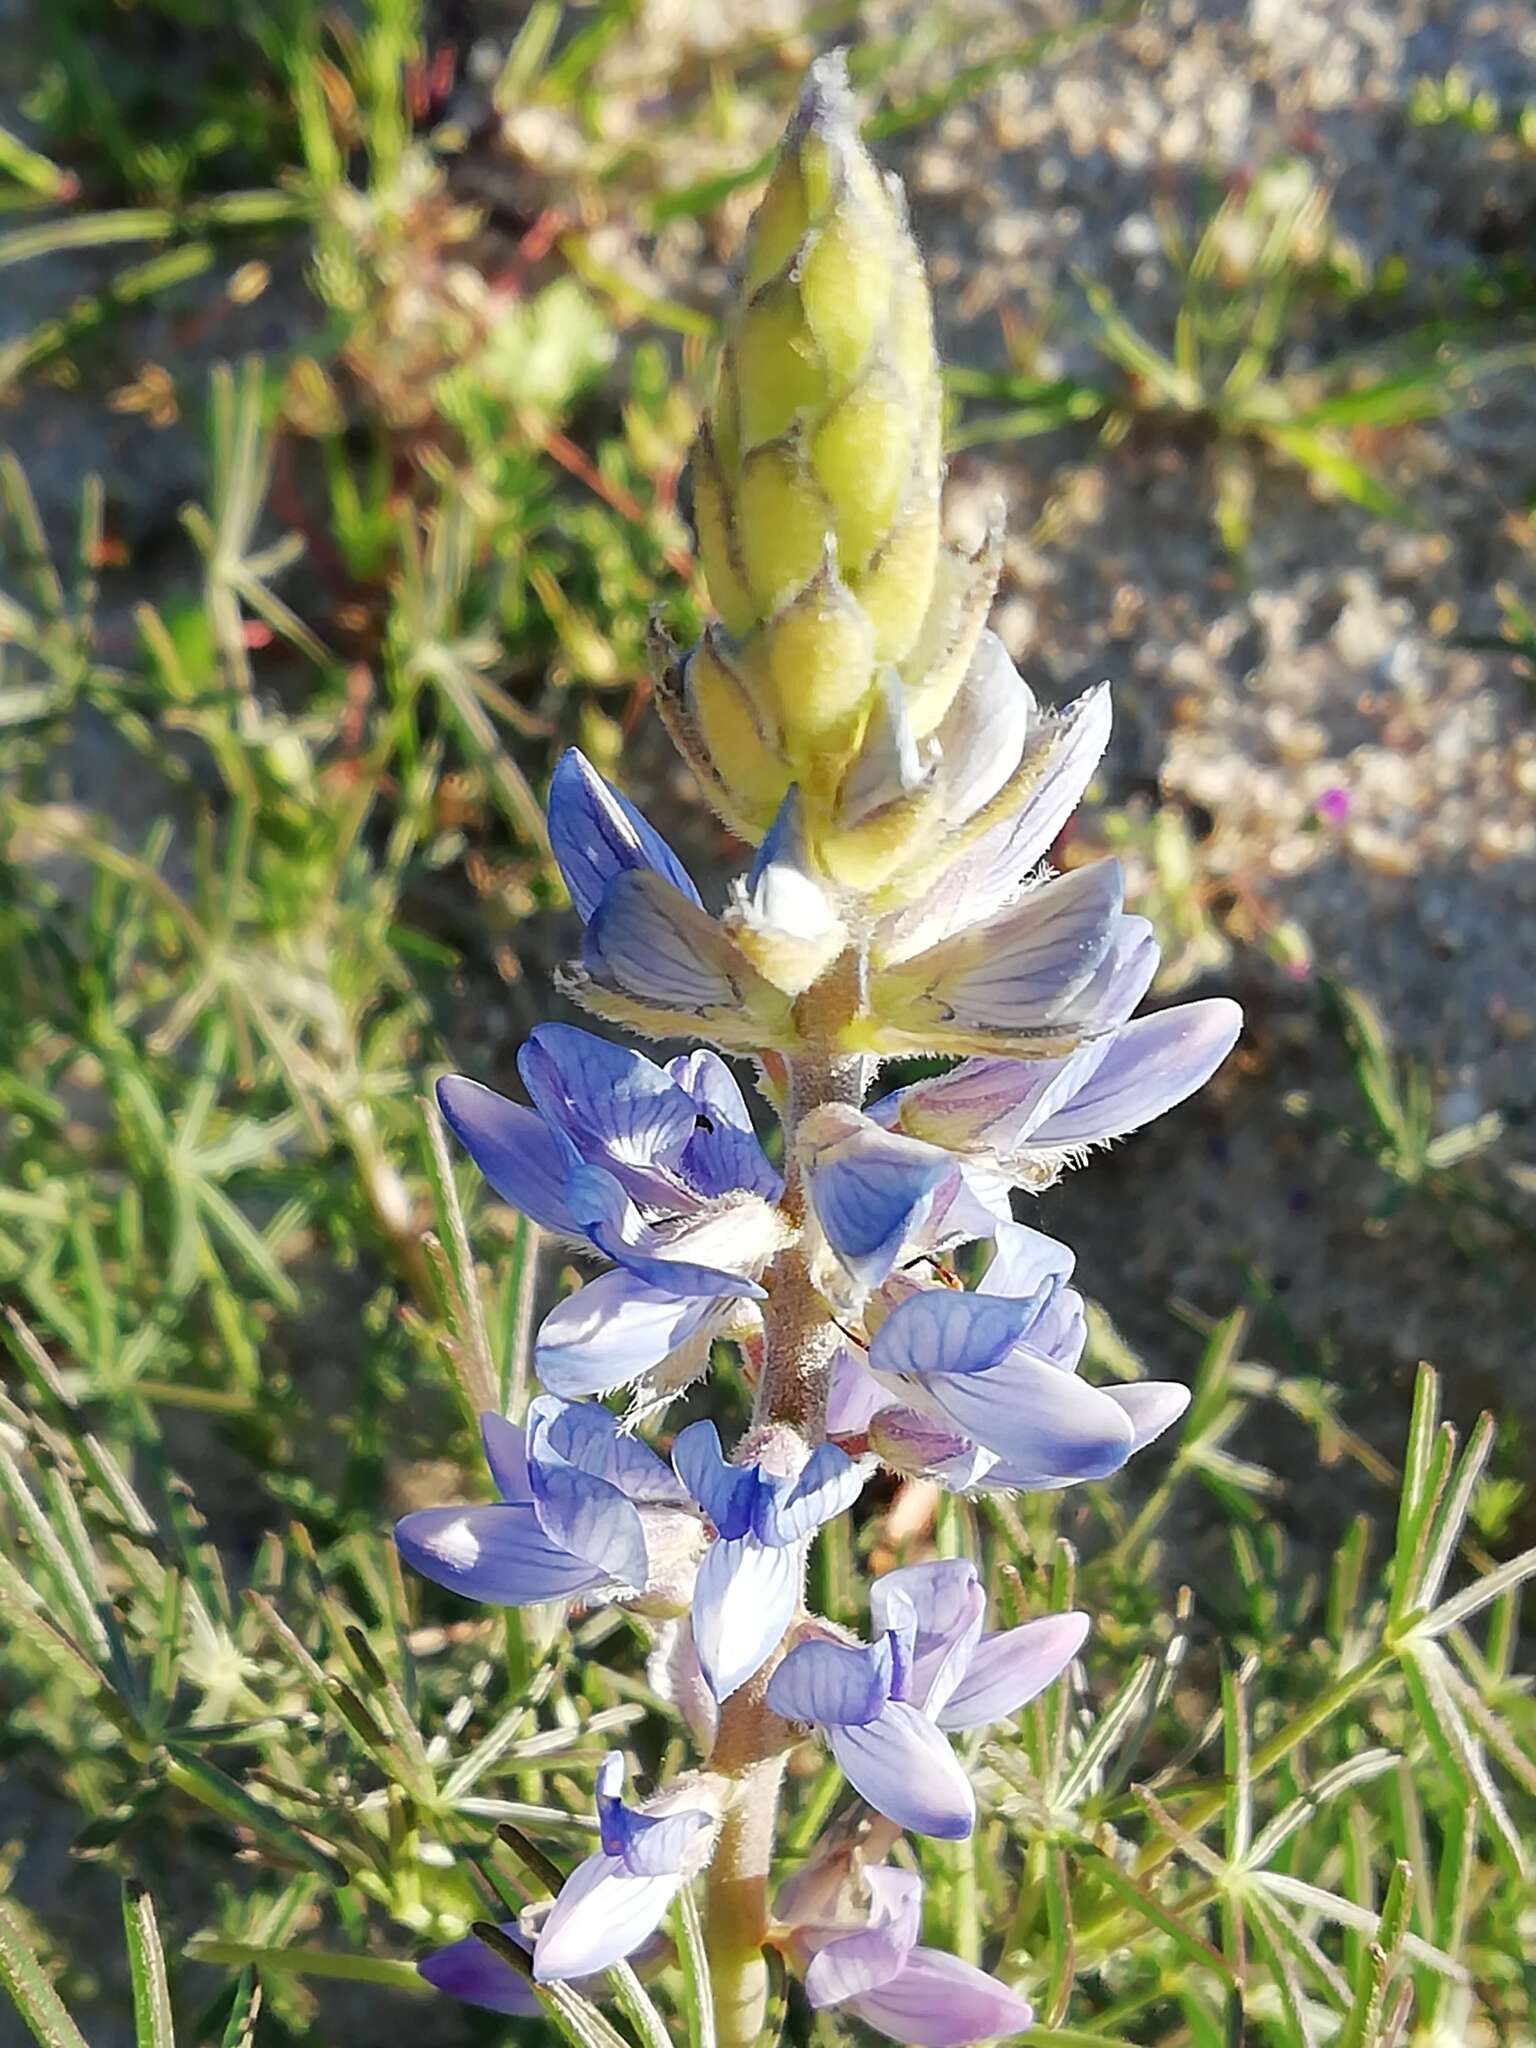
1149, 1907
299, 1961
1322, 454
212, 1788
698, 1990
1481, 1593
1362, 2024
1460, 1753
29, 1987
146, 1961
245, 2009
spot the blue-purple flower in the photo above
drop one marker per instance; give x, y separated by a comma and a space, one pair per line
609, 1907
616, 1899
888, 1708
878, 1197
585, 1511
656, 1168
651, 956
1032, 979
994, 959
749, 1583
867, 1958
474, 1974
981, 1390
1027, 1118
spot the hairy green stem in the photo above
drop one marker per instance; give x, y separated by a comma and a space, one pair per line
800, 1344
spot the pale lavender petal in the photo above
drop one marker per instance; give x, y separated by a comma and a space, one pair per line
1099, 1004
989, 1104
981, 737
1023, 968
905, 1768
602, 1915
895, 1901
612, 1330
1132, 963
909, 1441
870, 1189
784, 902
940, 1596
1006, 1671
711, 1087
506, 1452
1037, 1418
1152, 1064
727, 1493
476, 1975
670, 1274
597, 834
937, 2001
890, 765
828, 1485
1060, 1331
527, 1164
946, 1602
647, 1844
1025, 1260
613, 1223
743, 1600
500, 1555
853, 1963
969, 1206
834, 1685
656, 1844
1152, 1405
1070, 749
856, 1396
991, 873
940, 1331
593, 1521
648, 941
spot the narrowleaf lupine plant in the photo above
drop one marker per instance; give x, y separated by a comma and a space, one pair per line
851, 717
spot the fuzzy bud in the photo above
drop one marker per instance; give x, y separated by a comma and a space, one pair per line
816, 495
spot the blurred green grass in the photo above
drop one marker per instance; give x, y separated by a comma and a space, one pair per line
273, 845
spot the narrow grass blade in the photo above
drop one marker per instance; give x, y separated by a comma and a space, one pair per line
698, 1989
31, 1992
1150, 1908
211, 1787
310, 1962
244, 2011
146, 1961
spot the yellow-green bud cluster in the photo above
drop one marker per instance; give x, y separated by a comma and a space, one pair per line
816, 495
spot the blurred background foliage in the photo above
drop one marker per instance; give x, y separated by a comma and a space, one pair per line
390, 326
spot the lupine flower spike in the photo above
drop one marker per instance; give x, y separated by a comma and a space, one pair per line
851, 717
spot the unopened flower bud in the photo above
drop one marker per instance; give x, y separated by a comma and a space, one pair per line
816, 495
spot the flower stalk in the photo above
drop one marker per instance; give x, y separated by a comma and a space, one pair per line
800, 1344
